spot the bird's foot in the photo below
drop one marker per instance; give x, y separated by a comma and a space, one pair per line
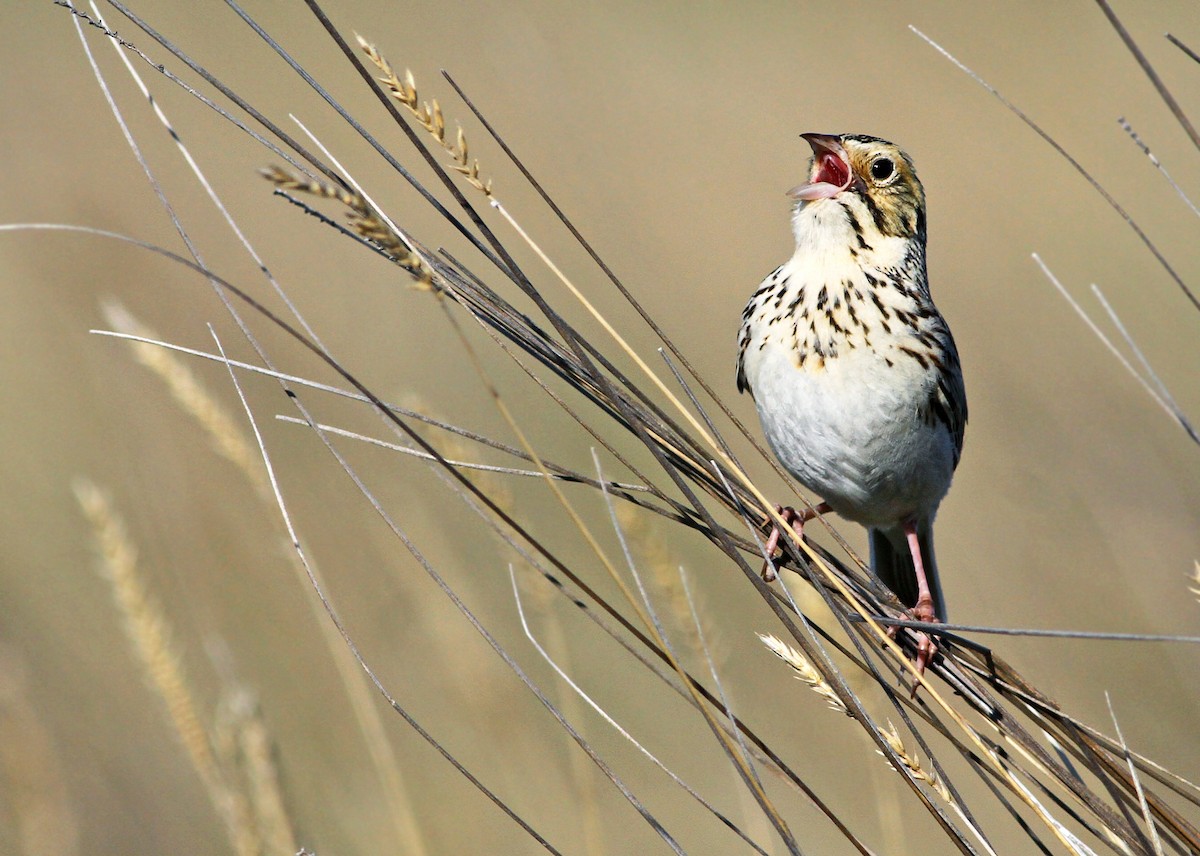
794, 519
770, 571
926, 648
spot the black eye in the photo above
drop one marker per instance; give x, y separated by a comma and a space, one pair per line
882, 169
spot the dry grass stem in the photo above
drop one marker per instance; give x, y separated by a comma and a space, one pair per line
646, 538
454, 449
1036, 762
355, 681
851, 595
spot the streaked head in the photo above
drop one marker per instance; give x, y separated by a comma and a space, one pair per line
874, 170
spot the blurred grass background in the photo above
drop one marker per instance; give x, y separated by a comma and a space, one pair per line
669, 133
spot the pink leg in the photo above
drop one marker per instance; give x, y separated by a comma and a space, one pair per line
789, 517
796, 520
923, 611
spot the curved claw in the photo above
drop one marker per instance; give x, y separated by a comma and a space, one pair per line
790, 517
796, 520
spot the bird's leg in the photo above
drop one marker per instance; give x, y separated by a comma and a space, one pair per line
796, 520
789, 515
923, 610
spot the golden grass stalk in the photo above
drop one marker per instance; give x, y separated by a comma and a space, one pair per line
453, 447
1194, 587
804, 670
263, 795
429, 115
592, 838
640, 608
149, 633
646, 538
851, 598
1011, 767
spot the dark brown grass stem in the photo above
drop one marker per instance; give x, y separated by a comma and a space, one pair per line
576, 343
1159, 86
1187, 51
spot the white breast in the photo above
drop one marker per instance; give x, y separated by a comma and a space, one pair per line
850, 419
853, 433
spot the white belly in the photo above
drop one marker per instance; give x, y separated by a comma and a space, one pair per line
852, 431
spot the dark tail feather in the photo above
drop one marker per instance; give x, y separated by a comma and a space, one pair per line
892, 564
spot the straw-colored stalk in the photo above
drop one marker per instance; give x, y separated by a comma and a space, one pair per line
648, 543
429, 115
431, 118
39, 817
265, 798
454, 448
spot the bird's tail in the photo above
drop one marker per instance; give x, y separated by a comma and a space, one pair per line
892, 564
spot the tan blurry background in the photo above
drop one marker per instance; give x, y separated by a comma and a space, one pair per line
669, 132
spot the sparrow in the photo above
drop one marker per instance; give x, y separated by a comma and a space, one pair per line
853, 370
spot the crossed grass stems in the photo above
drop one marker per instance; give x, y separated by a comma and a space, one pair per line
1072, 781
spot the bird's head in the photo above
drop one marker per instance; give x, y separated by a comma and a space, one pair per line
875, 171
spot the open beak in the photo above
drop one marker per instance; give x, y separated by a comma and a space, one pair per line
831, 169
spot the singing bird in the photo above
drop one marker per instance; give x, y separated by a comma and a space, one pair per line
853, 370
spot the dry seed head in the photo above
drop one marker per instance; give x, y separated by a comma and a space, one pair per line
405, 92
284, 180
363, 218
149, 632
913, 763
804, 671
1194, 588
429, 115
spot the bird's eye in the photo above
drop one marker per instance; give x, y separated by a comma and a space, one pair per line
883, 169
